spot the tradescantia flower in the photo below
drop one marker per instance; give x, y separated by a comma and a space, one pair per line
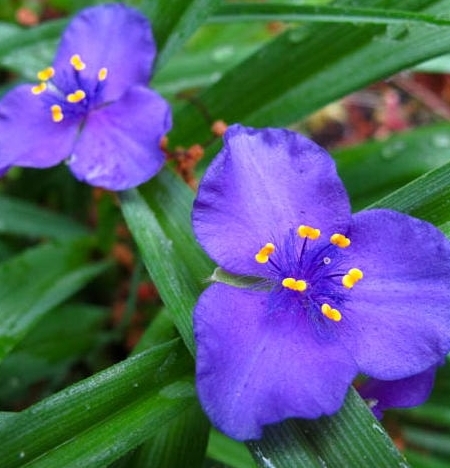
336, 294
92, 107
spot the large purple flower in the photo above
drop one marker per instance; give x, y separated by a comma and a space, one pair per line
92, 108
337, 295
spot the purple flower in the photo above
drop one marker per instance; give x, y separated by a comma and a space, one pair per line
337, 294
403, 393
92, 108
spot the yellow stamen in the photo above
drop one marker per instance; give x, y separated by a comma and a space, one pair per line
57, 114
295, 285
102, 74
77, 63
329, 312
46, 74
263, 255
352, 277
340, 240
39, 88
308, 231
77, 96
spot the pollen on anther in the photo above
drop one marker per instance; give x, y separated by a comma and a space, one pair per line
102, 74
77, 63
57, 114
352, 277
39, 88
295, 285
46, 74
263, 255
340, 240
308, 232
77, 96
331, 313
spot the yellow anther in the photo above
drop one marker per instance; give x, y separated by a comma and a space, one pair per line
295, 285
46, 74
57, 114
263, 255
102, 74
356, 273
352, 277
340, 240
77, 96
308, 231
329, 312
77, 63
39, 88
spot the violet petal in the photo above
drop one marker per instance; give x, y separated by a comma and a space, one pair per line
28, 135
254, 368
399, 311
113, 36
263, 183
402, 393
119, 146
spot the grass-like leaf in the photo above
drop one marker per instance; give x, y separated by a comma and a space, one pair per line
101, 418
307, 67
34, 282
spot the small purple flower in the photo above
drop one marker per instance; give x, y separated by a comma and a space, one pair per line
92, 108
337, 294
403, 393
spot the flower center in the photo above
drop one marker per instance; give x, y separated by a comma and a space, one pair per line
69, 95
307, 273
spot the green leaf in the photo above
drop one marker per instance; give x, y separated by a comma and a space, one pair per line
14, 37
160, 330
29, 50
175, 21
425, 460
181, 443
34, 282
171, 200
162, 232
327, 14
24, 218
62, 336
196, 69
94, 422
427, 198
166, 269
375, 169
352, 437
307, 67
232, 453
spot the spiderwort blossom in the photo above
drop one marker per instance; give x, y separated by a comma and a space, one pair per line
338, 294
92, 107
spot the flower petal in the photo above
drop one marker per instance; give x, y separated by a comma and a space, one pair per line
113, 36
265, 181
400, 309
403, 393
254, 368
119, 146
28, 135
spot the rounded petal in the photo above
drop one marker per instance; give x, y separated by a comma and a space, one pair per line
400, 309
261, 184
113, 36
119, 145
403, 393
28, 135
254, 368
